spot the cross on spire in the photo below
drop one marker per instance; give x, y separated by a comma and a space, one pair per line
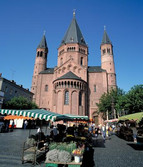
104, 28
74, 12
44, 32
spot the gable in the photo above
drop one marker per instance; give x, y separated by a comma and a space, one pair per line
70, 65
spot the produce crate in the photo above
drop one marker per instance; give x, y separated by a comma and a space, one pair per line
55, 164
74, 165
51, 165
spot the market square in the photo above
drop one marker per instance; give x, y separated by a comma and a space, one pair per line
114, 152
71, 84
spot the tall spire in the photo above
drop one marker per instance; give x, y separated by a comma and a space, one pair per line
105, 39
73, 34
43, 43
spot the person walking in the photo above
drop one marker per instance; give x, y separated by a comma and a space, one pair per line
25, 124
134, 129
103, 131
12, 125
55, 132
96, 131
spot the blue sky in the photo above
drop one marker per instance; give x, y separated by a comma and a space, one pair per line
22, 23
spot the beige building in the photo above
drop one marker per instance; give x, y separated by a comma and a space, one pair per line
72, 86
9, 89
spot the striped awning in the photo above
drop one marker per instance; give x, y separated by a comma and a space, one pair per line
76, 117
36, 113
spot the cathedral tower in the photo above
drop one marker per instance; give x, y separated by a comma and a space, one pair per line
107, 60
70, 81
73, 47
40, 64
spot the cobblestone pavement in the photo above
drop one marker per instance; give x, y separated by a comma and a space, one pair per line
11, 147
115, 152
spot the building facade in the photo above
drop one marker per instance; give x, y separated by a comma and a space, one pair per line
73, 87
1, 98
10, 89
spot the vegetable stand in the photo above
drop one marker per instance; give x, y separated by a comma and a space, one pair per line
55, 164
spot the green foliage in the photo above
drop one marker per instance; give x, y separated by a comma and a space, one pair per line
20, 103
111, 100
134, 99
104, 103
63, 146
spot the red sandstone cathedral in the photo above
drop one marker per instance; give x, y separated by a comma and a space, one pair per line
73, 87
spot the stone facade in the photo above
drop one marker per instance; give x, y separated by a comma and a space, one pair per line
73, 87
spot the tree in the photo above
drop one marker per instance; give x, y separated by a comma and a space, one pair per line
112, 101
134, 99
119, 101
19, 103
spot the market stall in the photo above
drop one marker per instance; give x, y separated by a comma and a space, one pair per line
69, 147
18, 120
35, 113
69, 143
76, 117
129, 123
136, 117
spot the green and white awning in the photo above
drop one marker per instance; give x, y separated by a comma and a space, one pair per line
36, 113
75, 117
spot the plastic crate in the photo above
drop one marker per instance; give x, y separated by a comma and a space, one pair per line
74, 165
51, 165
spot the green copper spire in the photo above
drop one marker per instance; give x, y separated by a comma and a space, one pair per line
43, 43
73, 34
105, 39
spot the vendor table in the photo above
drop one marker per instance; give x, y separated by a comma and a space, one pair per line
55, 164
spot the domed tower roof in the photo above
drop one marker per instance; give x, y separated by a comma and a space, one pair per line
73, 34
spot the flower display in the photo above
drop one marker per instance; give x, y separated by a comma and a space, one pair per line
77, 152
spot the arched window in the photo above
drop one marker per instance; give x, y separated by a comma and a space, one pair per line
46, 88
66, 98
104, 51
80, 99
94, 88
108, 50
81, 61
71, 84
41, 54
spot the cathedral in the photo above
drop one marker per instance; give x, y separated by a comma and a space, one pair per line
73, 87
